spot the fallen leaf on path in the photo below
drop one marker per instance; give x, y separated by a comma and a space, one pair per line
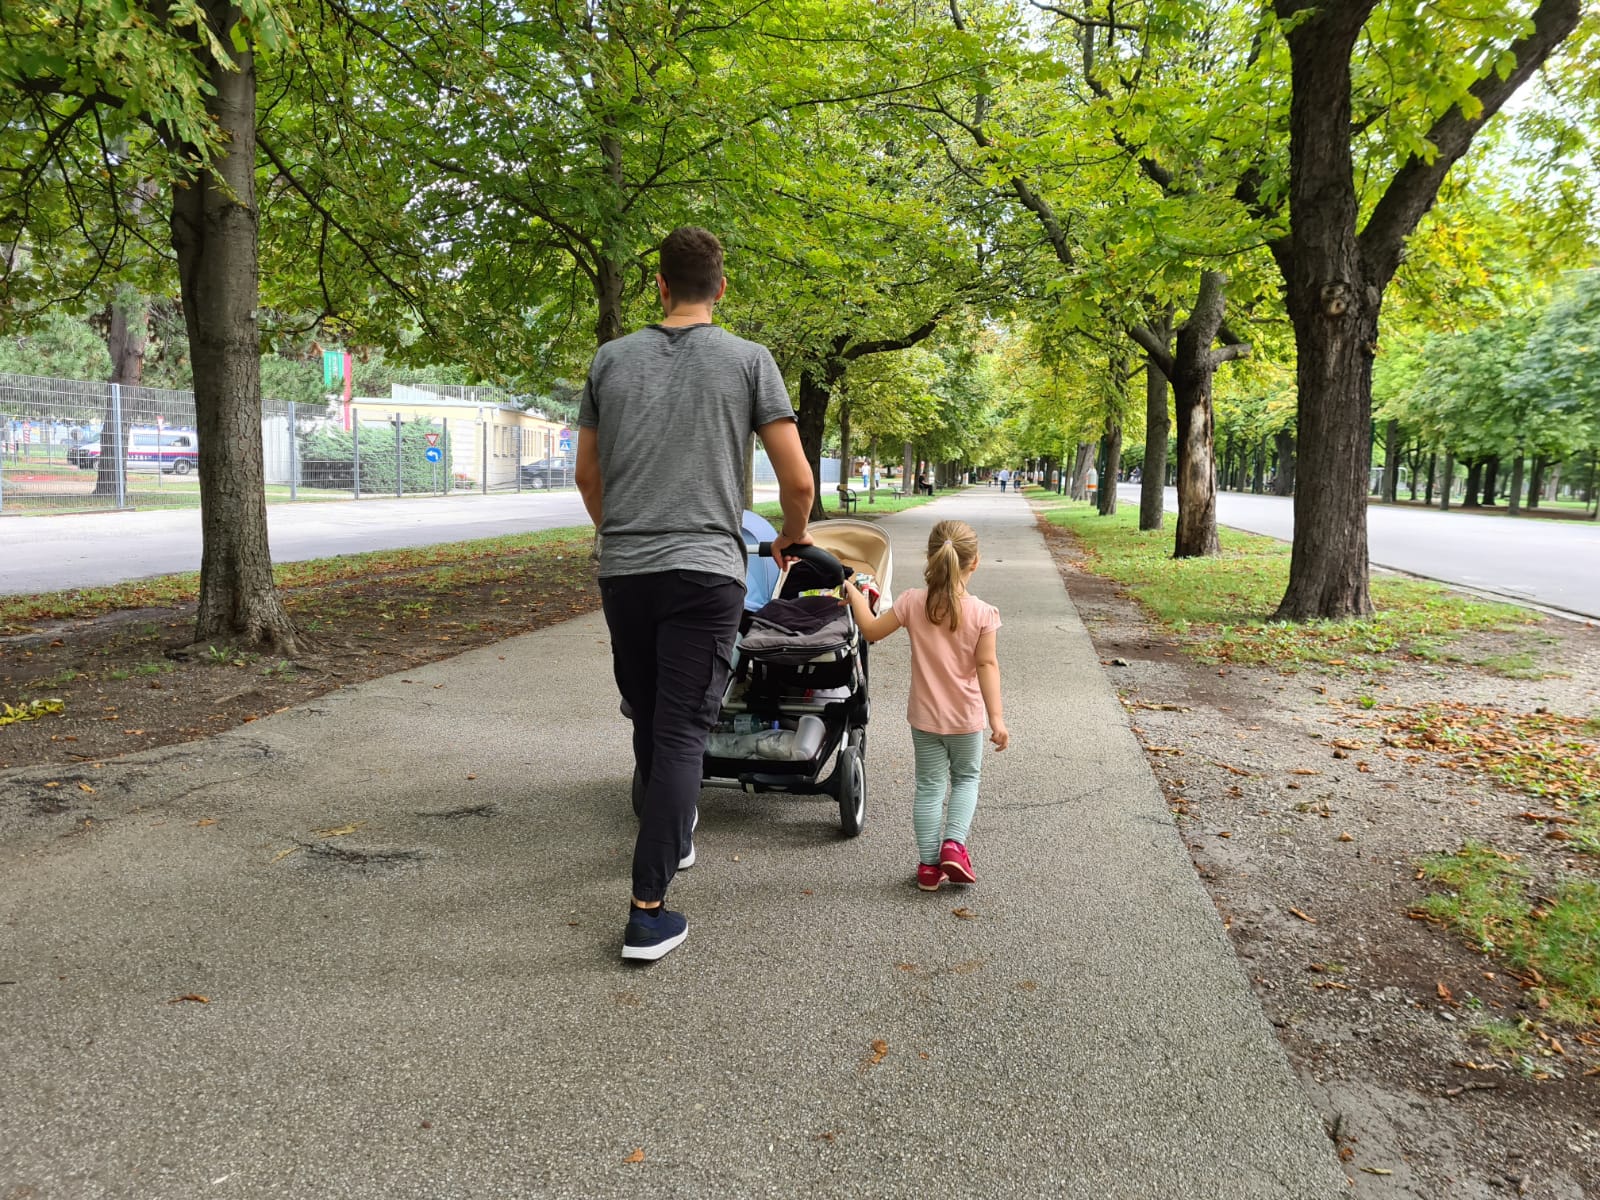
1307, 917
880, 1050
1304, 771
966, 914
281, 854
1377, 1171
334, 831
1224, 833
203, 821
84, 787
1163, 750
1234, 769
1445, 993
636, 1157
1345, 837
192, 997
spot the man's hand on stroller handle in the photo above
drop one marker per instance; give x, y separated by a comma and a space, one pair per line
781, 543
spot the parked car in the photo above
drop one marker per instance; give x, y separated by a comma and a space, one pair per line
172, 451
548, 473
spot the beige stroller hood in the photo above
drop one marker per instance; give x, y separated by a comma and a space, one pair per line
859, 545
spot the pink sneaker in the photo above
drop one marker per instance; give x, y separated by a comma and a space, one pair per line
957, 866
929, 877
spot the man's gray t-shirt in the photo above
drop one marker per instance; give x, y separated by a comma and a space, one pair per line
672, 409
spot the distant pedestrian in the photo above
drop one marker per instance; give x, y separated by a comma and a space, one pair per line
955, 683
1005, 478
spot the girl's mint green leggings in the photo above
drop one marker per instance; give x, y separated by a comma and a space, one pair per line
945, 760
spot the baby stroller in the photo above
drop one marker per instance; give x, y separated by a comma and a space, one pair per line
794, 715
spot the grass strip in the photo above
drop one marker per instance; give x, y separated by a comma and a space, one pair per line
1550, 937
1221, 607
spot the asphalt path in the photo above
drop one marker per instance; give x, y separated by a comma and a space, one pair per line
367, 949
1551, 563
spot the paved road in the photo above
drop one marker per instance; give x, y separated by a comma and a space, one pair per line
1553, 563
39, 554
430, 1006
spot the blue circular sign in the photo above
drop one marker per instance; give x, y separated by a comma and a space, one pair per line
433, 454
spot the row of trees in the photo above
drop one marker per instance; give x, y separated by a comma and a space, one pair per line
1150, 188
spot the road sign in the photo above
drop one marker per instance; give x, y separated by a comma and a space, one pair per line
433, 454
565, 445
433, 439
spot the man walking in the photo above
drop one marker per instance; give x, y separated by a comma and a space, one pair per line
662, 428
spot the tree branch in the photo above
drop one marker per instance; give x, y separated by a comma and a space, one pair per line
1153, 346
1412, 190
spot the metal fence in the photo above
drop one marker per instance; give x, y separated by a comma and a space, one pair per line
68, 445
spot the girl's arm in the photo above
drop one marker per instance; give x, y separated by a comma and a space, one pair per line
873, 628
989, 685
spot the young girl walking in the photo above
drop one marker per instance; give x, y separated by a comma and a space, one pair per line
955, 681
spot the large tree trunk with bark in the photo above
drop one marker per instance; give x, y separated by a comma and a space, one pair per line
1514, 503
1491, 480
214, 234
1336, 278
1474, 482
1536, 483
1447, 482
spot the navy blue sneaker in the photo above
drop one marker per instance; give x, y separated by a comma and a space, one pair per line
652, 933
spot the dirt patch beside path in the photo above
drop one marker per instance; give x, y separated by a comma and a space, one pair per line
121, 688
1306, 821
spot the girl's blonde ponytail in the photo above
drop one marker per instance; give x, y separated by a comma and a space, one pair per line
952, 549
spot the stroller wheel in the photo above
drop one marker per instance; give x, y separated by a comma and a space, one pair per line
638, 793
850, 785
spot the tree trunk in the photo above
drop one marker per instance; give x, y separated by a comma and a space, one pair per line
1536, 483
816, 387
1515, 503
1194, 367
845, 464
1283, 477
1491, 472
1447, 482
127, 333
1474, 482
1391, 461
872, 469
1336, 277
1158, 430
1111, 445
608, 302
1335, 318
1433, 473
214, 234
1081, 463
1258, 477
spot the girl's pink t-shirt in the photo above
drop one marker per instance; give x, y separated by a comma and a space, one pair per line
945, 697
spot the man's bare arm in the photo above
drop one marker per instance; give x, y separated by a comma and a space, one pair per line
587, 473
796, 489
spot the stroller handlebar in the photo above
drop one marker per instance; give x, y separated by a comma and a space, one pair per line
815, 555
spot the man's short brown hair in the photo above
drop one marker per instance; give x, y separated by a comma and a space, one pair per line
691, 263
